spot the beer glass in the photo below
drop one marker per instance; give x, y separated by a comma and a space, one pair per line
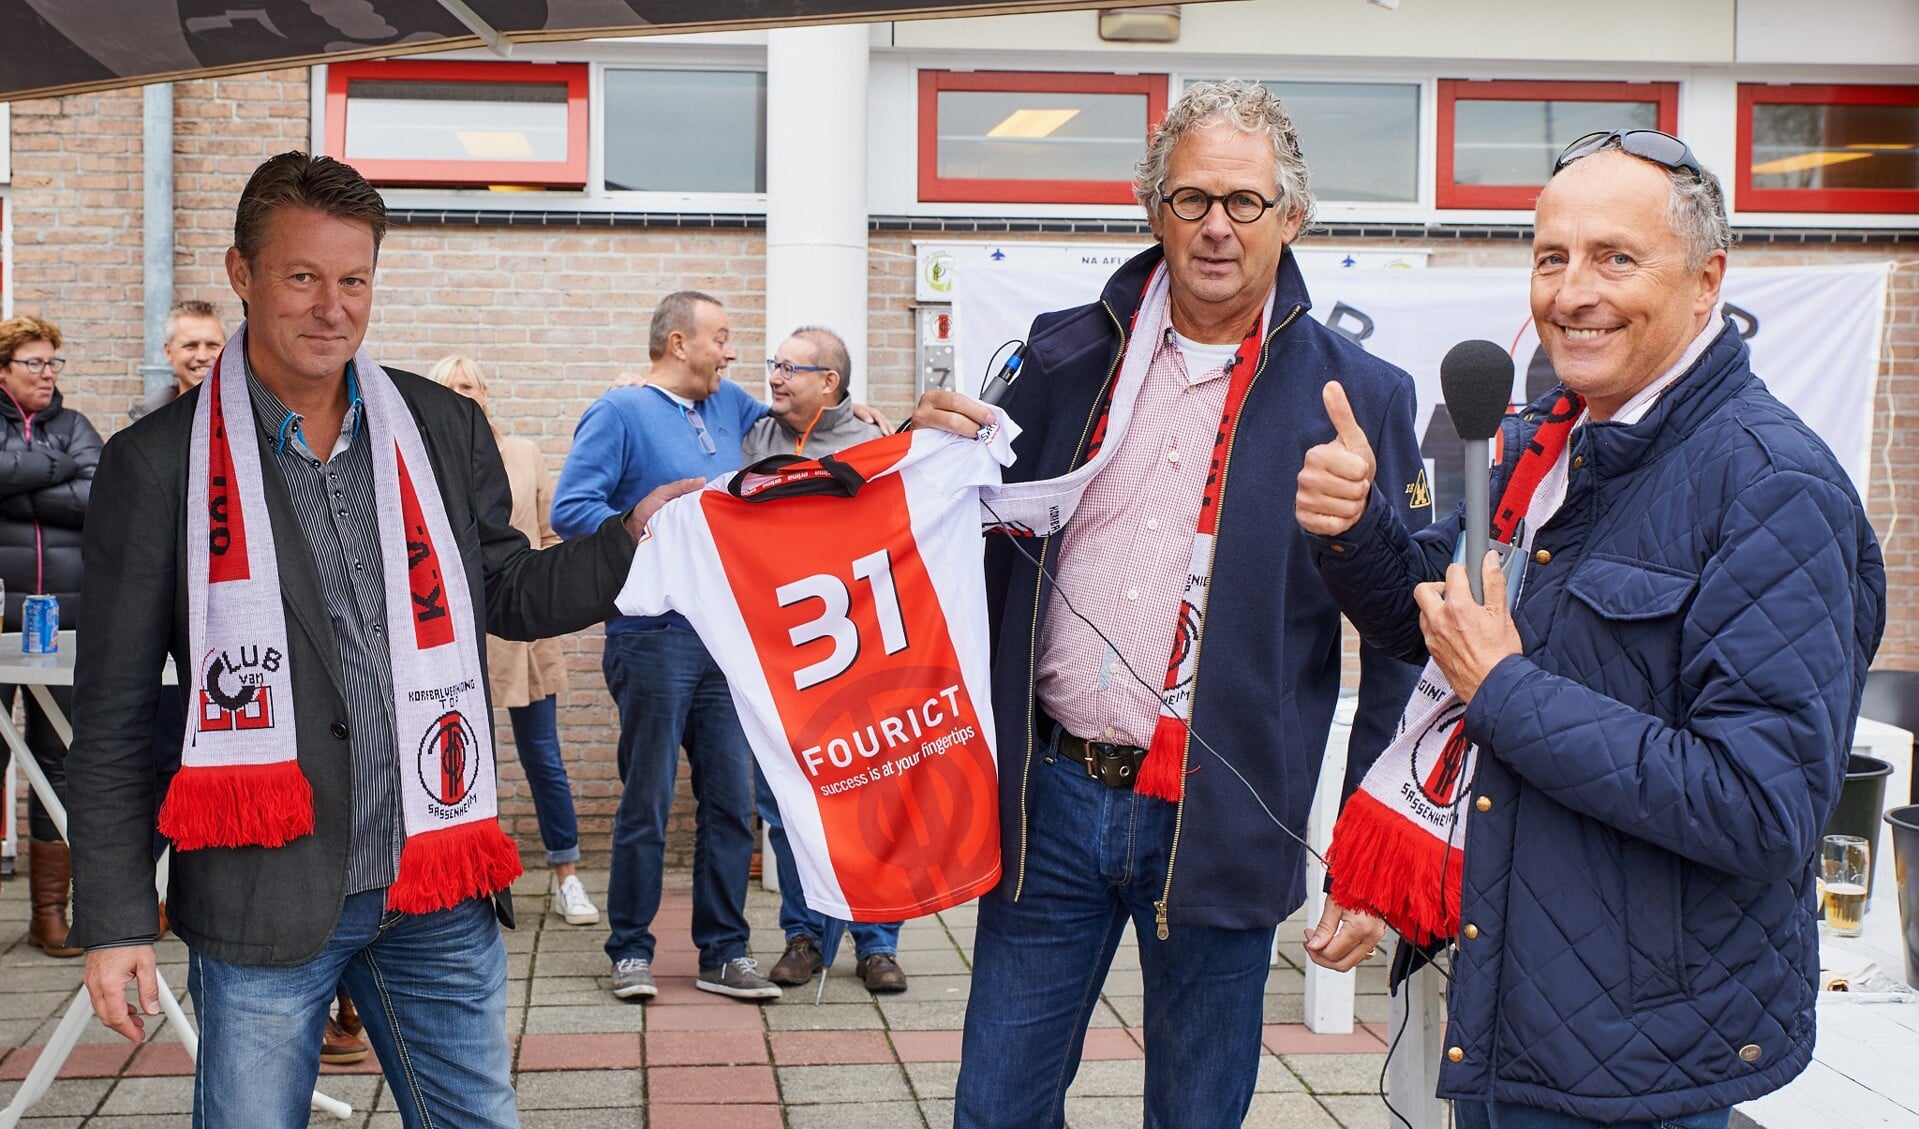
1843, 863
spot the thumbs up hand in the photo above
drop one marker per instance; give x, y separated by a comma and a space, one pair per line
1337, 477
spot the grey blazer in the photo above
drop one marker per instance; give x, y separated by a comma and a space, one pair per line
256, 905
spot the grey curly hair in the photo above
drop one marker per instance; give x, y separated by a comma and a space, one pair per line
1246, 106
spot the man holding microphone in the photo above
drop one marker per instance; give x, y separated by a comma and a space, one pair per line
1659, 701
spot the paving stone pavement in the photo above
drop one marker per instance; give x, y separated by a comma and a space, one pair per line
690, 1060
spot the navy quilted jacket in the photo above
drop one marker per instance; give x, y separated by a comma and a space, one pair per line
1638, 937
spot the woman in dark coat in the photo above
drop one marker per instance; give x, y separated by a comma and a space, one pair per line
47, 457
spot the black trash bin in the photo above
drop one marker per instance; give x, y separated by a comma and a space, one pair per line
1905, 866
1861, 800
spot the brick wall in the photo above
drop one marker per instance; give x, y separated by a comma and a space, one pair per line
557, 312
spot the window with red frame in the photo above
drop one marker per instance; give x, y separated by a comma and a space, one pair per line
1828, 149
1017, 137
1498, 140
460, 124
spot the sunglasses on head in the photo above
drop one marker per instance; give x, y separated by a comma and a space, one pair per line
1662, 149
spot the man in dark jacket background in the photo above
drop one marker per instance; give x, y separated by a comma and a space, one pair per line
1225, 414
1663, 716
47, 455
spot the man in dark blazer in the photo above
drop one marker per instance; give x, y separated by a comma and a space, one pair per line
273, 930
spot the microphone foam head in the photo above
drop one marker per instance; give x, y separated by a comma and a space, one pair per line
1476, 378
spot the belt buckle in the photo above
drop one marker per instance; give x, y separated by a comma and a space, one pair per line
1113, 765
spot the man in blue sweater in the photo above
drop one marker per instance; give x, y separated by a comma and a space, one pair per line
685, 422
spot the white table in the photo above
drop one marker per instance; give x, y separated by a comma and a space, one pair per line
36, 673
1865, 1062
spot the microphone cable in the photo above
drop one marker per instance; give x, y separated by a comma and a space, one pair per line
1445, 973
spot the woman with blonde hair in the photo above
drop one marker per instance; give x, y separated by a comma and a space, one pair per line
526, 677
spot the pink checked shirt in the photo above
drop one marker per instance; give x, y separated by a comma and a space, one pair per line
1124, 555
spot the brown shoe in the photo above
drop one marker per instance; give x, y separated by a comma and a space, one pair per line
344, 1045
798, 963
881, 972
341, 1047
50, 876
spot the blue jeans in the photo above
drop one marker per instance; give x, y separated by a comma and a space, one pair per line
670, 693
536, 735
796, 919
1499, 1115
1096, 857
430, 987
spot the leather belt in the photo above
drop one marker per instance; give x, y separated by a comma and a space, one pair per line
1116, 766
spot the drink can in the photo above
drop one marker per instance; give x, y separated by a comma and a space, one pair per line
40, 625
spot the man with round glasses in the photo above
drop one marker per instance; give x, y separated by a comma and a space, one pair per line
1155, 754
1663, 710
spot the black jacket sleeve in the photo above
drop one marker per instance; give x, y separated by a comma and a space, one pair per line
127, 610
537, 593
65, 503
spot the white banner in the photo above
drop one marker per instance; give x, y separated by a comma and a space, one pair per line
1000, 286
1814, 333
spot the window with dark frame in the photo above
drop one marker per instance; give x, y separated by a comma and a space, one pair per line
461, 125
1022, 137
1498, 139
1805, 148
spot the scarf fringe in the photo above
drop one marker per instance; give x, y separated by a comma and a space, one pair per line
1381, 864
1160, 773
440, 869
238, 805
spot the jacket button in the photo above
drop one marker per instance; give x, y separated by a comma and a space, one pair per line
1543, 557
339, 730
1471, 931
1750, 1052
1454, 1054
1484, 803
1578, 461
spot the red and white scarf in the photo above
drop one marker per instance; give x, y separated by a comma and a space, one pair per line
1398, 845
240, 782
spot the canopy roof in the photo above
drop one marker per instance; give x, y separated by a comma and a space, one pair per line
52, 47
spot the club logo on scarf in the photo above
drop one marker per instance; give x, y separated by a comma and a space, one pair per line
449, 764
234, 693
1178, 672
1439, 757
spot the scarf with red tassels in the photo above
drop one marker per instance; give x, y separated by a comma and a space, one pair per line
240, 782
1398, 845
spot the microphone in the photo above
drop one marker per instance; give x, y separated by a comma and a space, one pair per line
1476, 380
995, 388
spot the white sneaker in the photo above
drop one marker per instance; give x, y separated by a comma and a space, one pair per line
570, 901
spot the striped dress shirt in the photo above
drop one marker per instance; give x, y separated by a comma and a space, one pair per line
338, 515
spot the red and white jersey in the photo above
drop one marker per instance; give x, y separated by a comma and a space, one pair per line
844, 600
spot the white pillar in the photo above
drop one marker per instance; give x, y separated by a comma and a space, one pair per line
816, 186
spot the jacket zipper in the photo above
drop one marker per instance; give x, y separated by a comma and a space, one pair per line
39, 547
1039, 586
1186, 747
